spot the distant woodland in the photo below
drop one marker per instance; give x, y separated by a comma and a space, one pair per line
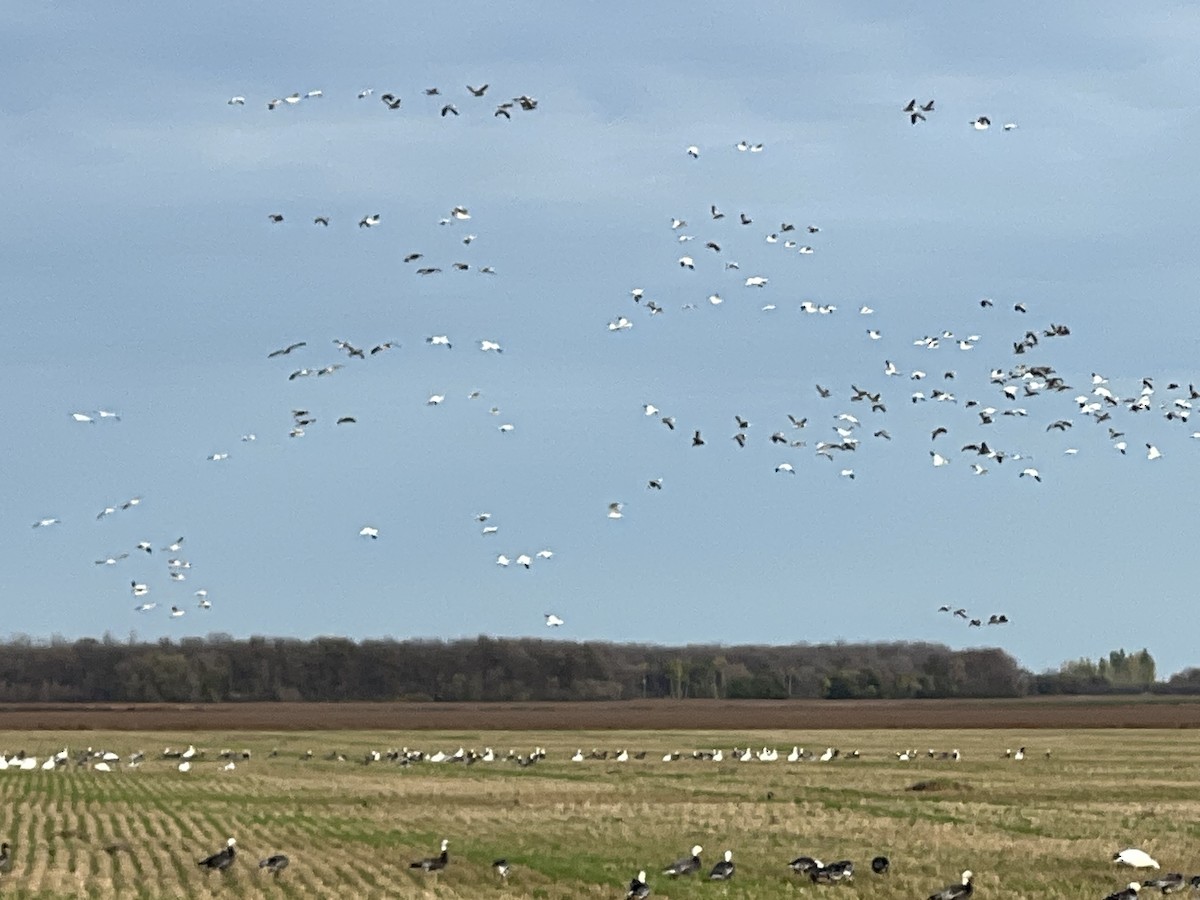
220, 668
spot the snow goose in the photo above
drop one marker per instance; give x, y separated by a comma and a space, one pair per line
434, 863
222, 860
723, 870
685, 866
834, 872
964, 888
553, 621
1129, 892
802, 865
1168, 884
274, 864
1135, 858
638, 889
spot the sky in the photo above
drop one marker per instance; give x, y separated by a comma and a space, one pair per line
142, 276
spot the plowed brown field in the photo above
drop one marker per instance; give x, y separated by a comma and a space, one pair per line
650, 715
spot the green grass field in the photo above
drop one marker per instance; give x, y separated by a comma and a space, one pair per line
1042, 827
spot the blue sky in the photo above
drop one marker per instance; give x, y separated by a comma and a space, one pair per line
141, 275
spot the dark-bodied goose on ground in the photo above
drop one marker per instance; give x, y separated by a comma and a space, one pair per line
833, 872
434, 863
723, 870
638, 889
274, 864
802, 865
1129, 892
221, 860
685, 866
956, 891
1168, 884
880, 865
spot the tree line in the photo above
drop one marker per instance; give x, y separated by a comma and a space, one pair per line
220, 668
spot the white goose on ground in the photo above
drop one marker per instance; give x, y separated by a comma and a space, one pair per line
1135, 858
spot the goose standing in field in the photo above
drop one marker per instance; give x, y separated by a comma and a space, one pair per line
956, 891
5, 857
802, 865
1135, 859
434, 863
880, 865
834, 872
222, 860
501, 868
638, 889
274, 864
1129, 892
723, 870
685, 866
1168, 884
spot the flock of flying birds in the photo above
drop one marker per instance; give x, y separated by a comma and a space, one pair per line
986, 416
436, 100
